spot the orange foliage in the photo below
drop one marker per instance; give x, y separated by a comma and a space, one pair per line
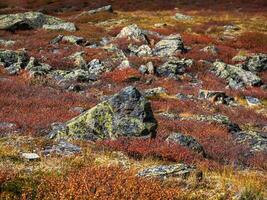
122, 75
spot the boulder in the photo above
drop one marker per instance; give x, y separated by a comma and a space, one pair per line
143, 50
186, 141
33, 20
36, 68
147, 69
96, 67
256, 63
79, 75
235, 76
164, 171
169, 45
126, 114
133, 32
173, 67
9, 57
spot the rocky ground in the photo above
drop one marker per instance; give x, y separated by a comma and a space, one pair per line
133, 100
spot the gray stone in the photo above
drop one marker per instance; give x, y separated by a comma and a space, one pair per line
186, 141
96, 67
9, 57
62, 148
30, 156
256, 63
210, 49
133, 32
221, 119
173, 67
33, 20
37, 69
7, 42
127, 114
164, 171
143, 50
169, 45
79, 75
235, 76
216, 97
184, 96
180, 16
253, 101
73, 39
147, 69
107, 8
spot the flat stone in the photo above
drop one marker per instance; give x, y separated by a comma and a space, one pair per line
30, 156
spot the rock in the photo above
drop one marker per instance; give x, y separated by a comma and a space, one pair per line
79, 75
7, 125
180, 16
221, 119
159, 25
235, 76
7, 42
216, 97
30, 156
37, 69
73, 39
62, 148
231, 28
127, 113
253, 101
14, 68
169, 45
9, 57
256, 63
78, 109
125, 64
155, 92
96, 67
165, 171
33, 20
147, 69
57, 39
107, 8
184, 96
210, 49
141, 51
239, 58
186, 141
133, 32
173, 67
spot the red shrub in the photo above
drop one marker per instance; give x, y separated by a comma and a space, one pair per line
123, 75
191, 39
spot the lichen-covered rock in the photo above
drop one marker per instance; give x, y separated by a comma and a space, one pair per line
78, 59
147, 69
169, 45
127, 113
173, 67
133, 32
9, 57
222, 119
107, 8
256, 63
7, 42
73, 39
210, 49
186, 141
253, 101
79, 75
164, 171
235, 76
96, 67
33, 20
143, 50
36, 68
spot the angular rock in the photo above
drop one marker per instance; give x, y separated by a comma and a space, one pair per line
143, 50
165, 171
222, 119
127, 113
253, 101
215, 96
107, 8
73, 39
30, 156
155, 92
37, 69
79, 75
173, 67
33, 20
235, 76
256, 63
96, 67
9, 57
186, 141
169, 45
133, 32
147, 69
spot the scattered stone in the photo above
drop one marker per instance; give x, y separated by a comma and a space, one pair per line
147, 69
256, 63
133, 32
7, 42
235, 76
164, 171
180, 16
210, 49
174, 67
125, 64
73, 39
169, 45
239, 58
221, 119
159, 25
79, 60
231, 28
9, 57
216, 97
253, 101
141, 51
62, 148
184, 96
33, 20
37, 69
14, 68
96, 67
107, 8
30, 156
186, 141
127, 113
79, 75
155, 92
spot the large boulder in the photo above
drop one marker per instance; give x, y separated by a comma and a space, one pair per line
33, 20
235, 76
169, 45
127, 113
133, 32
